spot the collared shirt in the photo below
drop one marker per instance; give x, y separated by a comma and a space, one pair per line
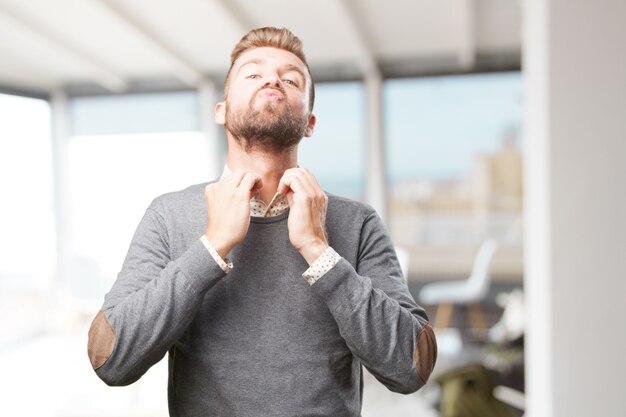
278, 205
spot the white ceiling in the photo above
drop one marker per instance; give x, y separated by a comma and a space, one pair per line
116, 44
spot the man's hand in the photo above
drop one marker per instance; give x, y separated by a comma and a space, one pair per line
228, 209
307, 213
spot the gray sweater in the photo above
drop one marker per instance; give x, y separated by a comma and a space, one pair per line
259, 341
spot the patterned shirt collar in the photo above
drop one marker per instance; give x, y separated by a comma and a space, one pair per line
258, 208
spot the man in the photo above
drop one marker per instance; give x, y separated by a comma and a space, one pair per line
267, 293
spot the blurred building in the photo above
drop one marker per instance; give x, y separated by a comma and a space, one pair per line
497, 178
442, 221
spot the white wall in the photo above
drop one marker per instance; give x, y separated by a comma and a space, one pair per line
575, 74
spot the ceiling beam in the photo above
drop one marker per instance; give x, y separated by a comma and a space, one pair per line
182, 68
23, 92
238, 16
365, 56
98, 71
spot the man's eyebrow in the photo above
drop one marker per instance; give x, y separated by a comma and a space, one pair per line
291, 67
288, 67
250, 61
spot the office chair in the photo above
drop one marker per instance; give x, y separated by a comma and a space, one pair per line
470, 291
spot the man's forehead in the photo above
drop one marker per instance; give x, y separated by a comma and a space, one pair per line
265, 55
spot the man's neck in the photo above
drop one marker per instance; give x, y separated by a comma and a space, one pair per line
270, 166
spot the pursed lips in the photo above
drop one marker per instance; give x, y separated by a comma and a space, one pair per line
271, 94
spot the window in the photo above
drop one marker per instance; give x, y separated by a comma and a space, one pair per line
128, 150
135, 113
454, 168
27, 219
336, 151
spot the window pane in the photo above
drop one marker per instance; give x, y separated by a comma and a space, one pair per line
114, 178
134, 113
335, 152
26, 183
455, 169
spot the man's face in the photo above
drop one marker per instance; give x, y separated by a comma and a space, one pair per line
267, 101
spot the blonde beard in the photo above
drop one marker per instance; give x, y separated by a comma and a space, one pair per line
271, 128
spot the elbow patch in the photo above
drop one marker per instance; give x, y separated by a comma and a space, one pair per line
425, 354
101, 341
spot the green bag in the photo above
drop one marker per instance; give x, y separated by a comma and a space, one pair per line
468, 392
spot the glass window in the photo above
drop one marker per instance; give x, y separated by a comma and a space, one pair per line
113, 179
336, 151
134, 113
454, 169
110, 181
27, 221
27, 245
126, 150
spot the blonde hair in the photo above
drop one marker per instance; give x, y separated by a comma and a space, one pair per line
281, 38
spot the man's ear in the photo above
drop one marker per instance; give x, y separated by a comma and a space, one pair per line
309, 129
220, 113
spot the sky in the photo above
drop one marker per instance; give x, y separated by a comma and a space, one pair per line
435, 125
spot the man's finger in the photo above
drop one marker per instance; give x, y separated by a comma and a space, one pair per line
297, 184
251, 182
234, 178
286, 184
309, 184
283, 184
309, 180
283, 187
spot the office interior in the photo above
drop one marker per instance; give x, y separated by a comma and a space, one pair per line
489, 135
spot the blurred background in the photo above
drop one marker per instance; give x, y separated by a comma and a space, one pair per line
489, 135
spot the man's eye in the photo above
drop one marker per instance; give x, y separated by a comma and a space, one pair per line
253, 76
290, 82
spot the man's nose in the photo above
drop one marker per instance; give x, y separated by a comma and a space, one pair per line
273, 80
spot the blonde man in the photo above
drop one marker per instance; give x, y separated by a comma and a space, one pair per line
268, 294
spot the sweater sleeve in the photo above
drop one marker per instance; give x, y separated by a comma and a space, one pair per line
377, 316
152, 302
